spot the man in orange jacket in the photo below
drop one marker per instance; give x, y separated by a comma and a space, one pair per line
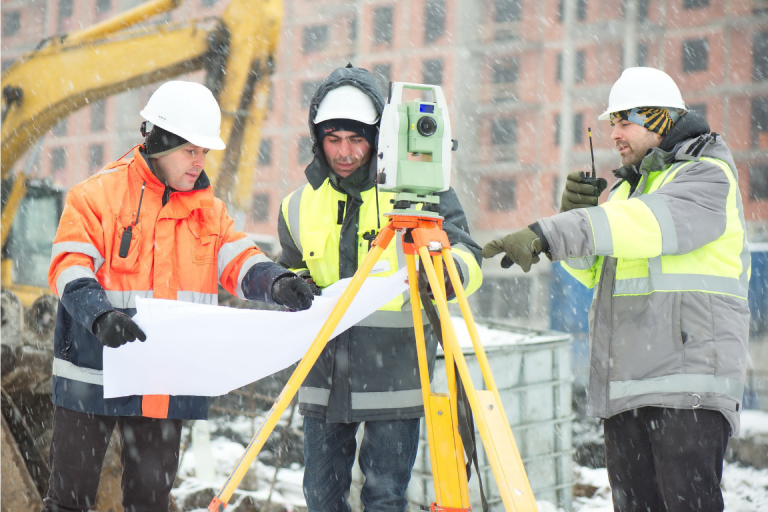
146, 226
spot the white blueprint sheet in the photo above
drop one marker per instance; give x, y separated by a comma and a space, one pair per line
195, 349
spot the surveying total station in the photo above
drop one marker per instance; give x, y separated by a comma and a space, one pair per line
414, 161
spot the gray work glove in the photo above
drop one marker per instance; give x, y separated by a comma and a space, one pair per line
522, 247
292, 292
578, 194
115, 329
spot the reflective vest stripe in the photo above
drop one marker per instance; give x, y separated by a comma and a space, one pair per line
370, 400
315, 396
663, 216
125, 299
387, 399
198, 297
230, 251
680, 283
82, 248
253, 260
68, 370
601, 230
685, 383
294, 217
70, 274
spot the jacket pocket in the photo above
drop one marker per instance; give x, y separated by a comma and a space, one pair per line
313, 244
677, 332
130, 263
205, 236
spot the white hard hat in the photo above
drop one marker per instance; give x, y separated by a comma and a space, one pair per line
347, 102
186, 109
643, 87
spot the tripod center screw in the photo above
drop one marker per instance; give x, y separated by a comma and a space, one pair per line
490, 407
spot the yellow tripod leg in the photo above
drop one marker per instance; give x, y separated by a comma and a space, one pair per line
447, 471
292, 387
488, 411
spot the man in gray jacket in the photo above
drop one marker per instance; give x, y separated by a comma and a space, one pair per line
370, 372
669, 321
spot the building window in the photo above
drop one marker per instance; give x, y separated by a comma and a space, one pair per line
103, 6
382, 25
760, 123
98, 116
66, 9
695, 55
643, 7
95, 157
11, 23
60, 129
432, 71
305, 150
209, 3
504, 131
505, 71
315, 38
507, 10
434, 20
260, 208
700, 108
308, 90
58, 159
760, 56
265, 153
353, 28
581, 10
504, 298
758, 182
642, 54
578, 128
695, 4
501, 194
383, 75
579, 70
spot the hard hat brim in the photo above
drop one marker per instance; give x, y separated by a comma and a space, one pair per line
207, 142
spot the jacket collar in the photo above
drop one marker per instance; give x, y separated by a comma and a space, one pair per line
181, 204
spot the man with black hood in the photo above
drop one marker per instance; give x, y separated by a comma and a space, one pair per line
669, 322
369, 373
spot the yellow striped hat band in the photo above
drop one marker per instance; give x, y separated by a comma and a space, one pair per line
654, 119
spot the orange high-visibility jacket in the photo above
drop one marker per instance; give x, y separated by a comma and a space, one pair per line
182, 246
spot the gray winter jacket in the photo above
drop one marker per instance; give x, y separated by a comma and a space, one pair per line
670, 262
370, 372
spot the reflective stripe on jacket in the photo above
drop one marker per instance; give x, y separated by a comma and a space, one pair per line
181, 251
669, 320
369, 372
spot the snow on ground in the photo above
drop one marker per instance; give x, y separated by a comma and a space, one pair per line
745, 489
753, 423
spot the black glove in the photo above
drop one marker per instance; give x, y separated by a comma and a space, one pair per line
316, 290
522, 247
293, 292
578, 194
115, 329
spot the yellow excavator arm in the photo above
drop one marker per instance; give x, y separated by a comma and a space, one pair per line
68, 72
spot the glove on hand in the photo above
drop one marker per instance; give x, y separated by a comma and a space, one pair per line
522, 247
316, 290
115, 329
292, 292
581, 195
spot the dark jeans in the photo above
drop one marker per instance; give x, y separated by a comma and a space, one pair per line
666, 459
387, 454
150, 459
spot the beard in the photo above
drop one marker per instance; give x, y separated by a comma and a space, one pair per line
638, 148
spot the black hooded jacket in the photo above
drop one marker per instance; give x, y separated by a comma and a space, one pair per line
368, 372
